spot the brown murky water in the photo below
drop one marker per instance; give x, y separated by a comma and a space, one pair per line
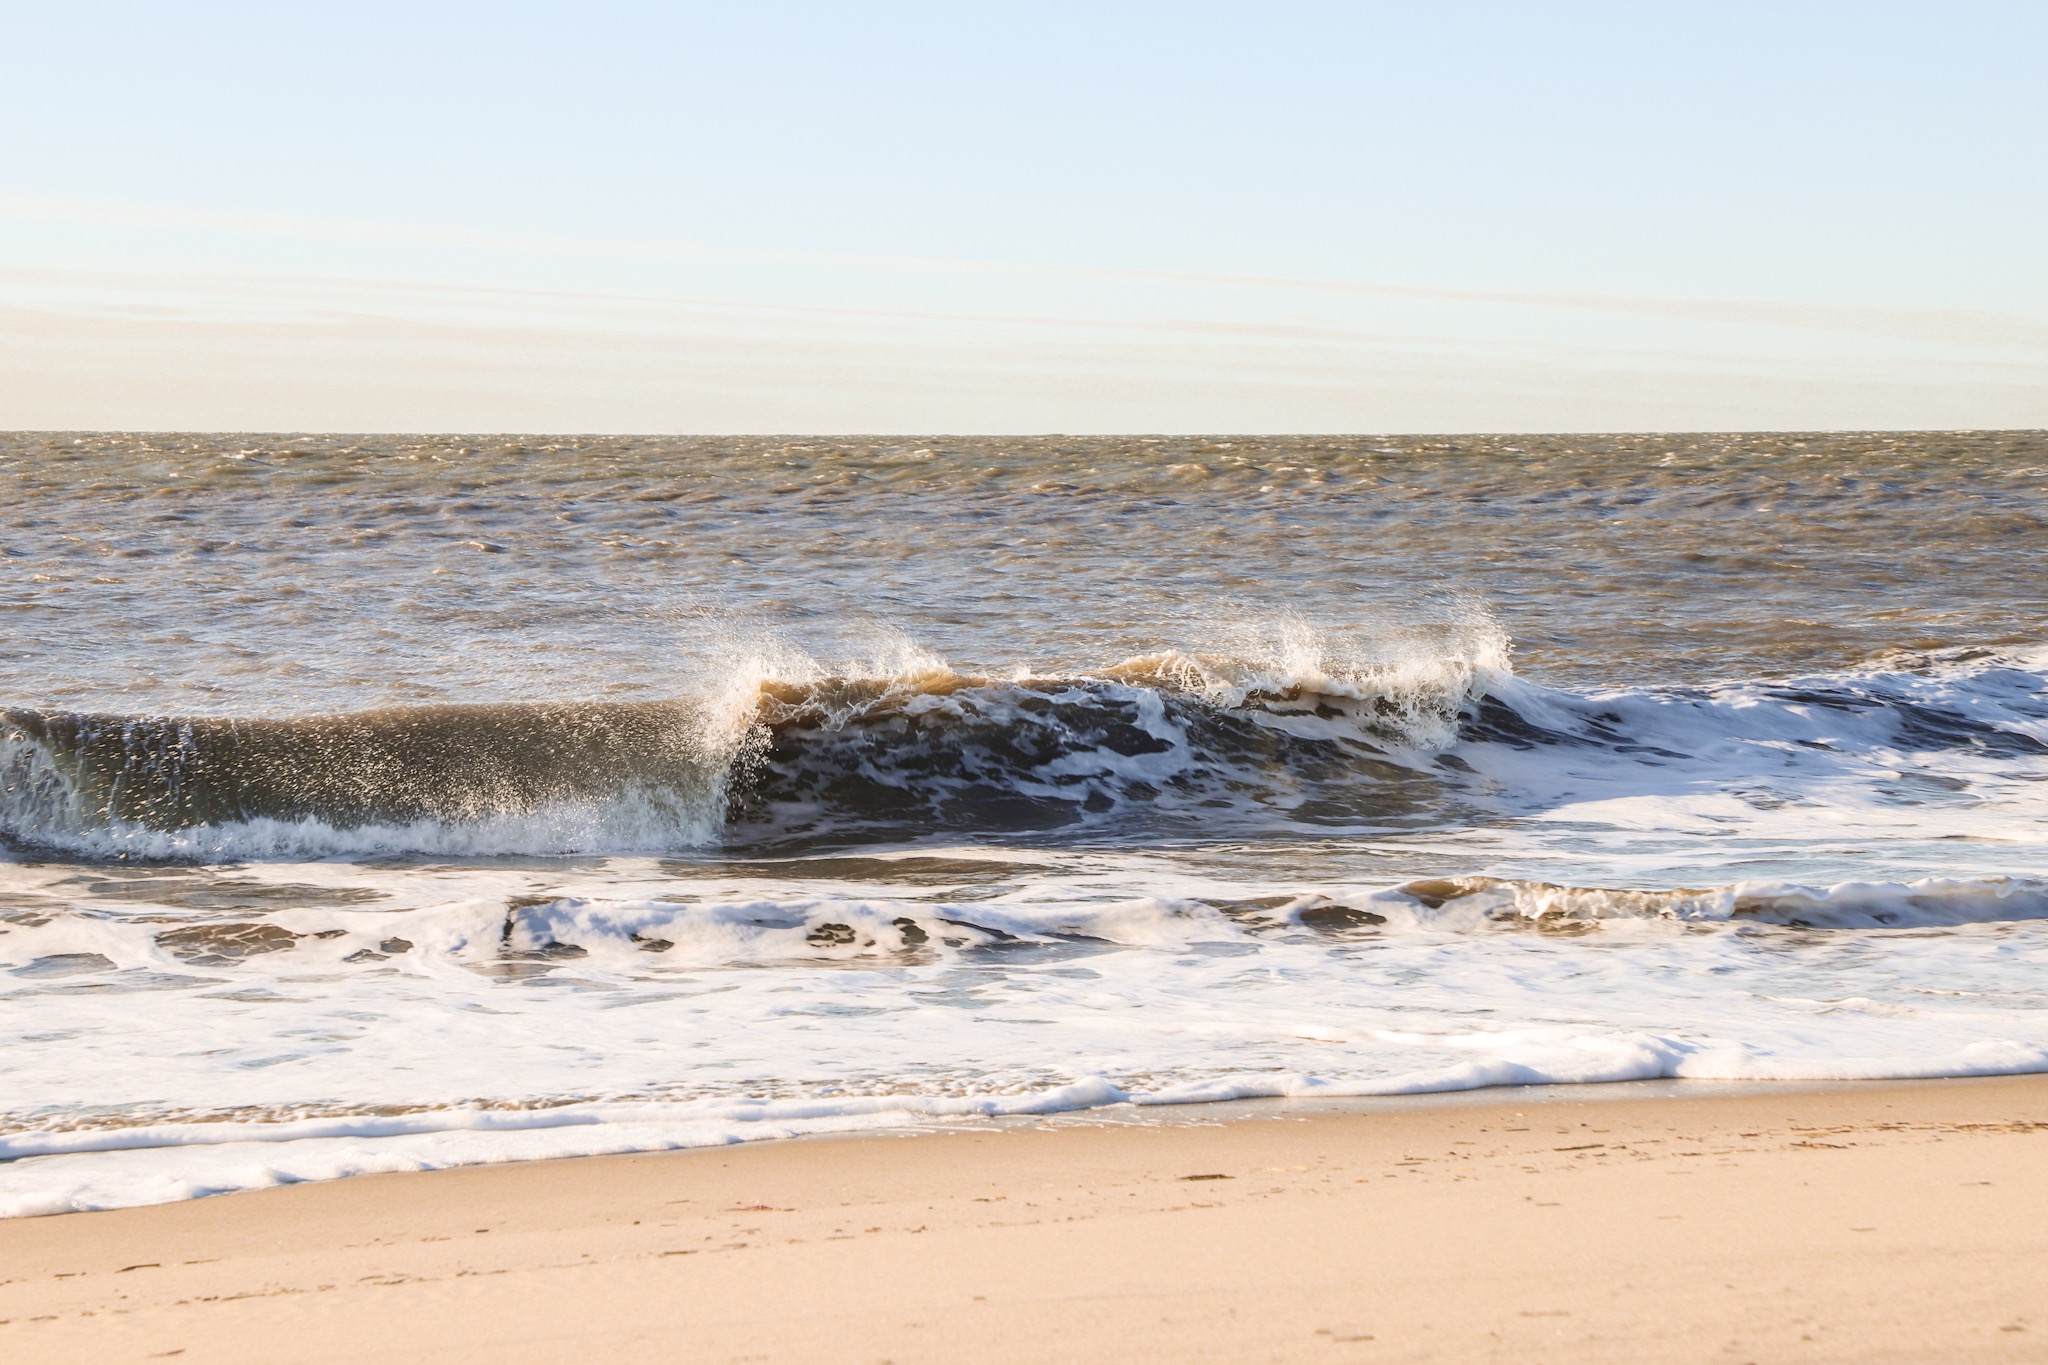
280, 574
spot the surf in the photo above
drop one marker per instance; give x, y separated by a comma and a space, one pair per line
1156, 746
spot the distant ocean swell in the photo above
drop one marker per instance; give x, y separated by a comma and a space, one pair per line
1146, 748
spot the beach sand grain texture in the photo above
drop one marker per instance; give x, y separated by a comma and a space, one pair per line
1883, 1222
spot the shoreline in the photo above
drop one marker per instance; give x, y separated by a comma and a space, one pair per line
1862, 1221
276, 1159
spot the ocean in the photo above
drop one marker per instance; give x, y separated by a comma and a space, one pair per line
380, 803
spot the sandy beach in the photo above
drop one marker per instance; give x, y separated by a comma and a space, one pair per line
1880, 1222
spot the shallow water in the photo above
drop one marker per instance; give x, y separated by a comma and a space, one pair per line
371, 803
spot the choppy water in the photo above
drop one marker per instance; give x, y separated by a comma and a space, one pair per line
372, 803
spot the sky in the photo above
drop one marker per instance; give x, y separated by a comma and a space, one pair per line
997, 218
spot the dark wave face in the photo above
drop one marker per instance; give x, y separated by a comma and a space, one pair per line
112, 782
842, 760
1100, 755
392, 766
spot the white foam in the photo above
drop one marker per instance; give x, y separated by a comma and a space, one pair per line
154, 1078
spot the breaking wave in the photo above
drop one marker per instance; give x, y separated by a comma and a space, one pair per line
788, 759
778, 755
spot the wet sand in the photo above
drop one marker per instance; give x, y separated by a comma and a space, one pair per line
1881, 1222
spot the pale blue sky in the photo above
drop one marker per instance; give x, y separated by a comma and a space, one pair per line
1005, 170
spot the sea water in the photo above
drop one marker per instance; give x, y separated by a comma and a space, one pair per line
385, 803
